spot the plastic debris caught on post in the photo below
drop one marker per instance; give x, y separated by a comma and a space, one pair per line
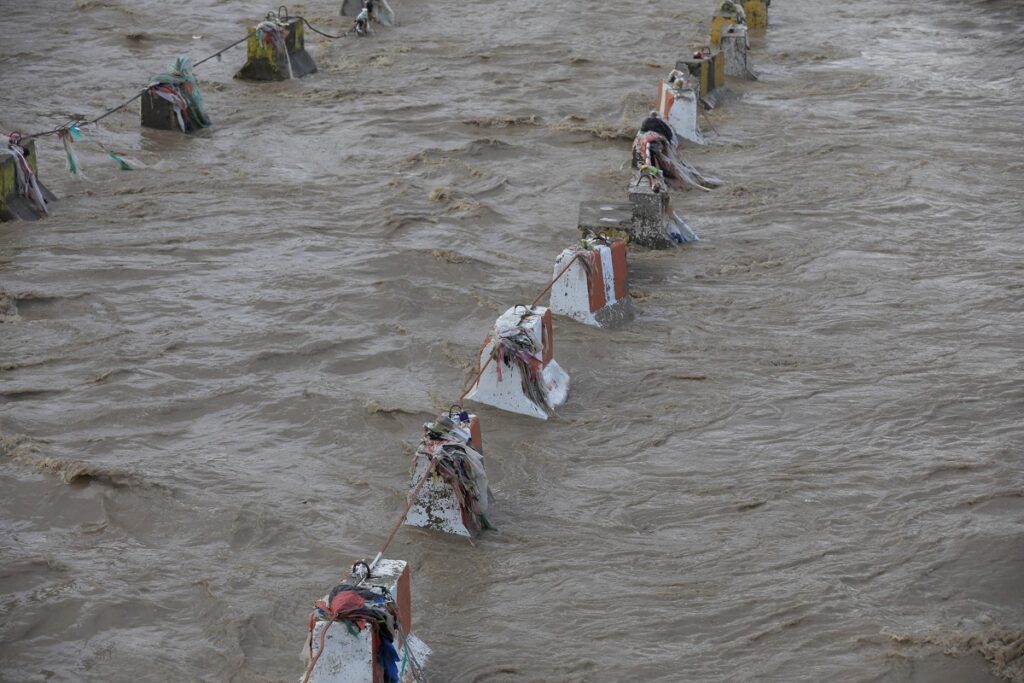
594, 290
276, 50
361, 632
173, 100
456, 496
378, 11
517, 370
22, 195
729, 12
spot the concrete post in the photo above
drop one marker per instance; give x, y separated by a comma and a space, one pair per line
438, 506
757, 13
679, 105
349, 657
735, 48
606, 219
528, 381
14, 206
266, 62
650, 201
597, 293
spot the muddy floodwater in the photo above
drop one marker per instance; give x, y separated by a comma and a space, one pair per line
801, 462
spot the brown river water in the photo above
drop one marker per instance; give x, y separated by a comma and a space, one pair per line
801, 462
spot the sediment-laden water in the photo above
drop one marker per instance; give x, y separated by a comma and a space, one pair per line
801, 462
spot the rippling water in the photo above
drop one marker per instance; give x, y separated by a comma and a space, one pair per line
801, 462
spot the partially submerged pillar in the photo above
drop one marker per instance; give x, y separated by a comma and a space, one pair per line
655, 224
606, 219
594, 289
757, 12
728, 12
173, 100
649, 198
736, 51
276, 51
709, 69
361, 632
679, 104
22, 195
455, 496
519, 373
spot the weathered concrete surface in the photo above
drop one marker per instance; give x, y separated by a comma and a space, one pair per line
348, 658
649, 201
265, 63
607, 219
736, 49
600, 297
12, 205
502, 387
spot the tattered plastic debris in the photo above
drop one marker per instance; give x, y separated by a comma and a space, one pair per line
276, 50
519, 373
729, 12
173, 100
361, 632
377, 11
456, 496
24, 196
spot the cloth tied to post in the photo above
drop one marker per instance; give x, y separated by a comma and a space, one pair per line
25, 179
513, 346
179, 86
462, 469
656, 146
274, 32
360, 608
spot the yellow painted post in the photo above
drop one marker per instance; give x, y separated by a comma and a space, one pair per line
718, 67
263, 63
757, 13
11, 205
728, 12
717, 24
8, 183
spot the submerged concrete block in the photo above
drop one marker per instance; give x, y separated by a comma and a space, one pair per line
606, 219
157, 112
736, 50
729, 12
520, 374
276, 51
757, 13
649, 198
709, 69
594, 292
679, 105
16, 202
348, 657
456, 496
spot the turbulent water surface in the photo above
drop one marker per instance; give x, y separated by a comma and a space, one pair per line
802, 461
